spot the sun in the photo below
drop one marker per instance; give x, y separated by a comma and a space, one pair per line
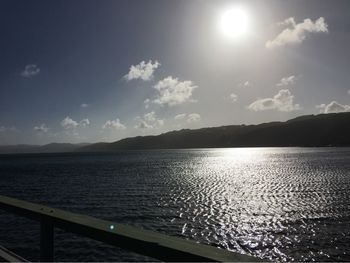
234, 22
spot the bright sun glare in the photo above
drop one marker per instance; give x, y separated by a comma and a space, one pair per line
234, 22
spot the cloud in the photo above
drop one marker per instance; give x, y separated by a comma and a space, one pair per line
333, 107
282, 101
190, 118
180, 116
148, 121
349, 91
142, 70
193, 117
286, 81
296, 33
245, 84
30, 71
114, 125
68, 123
233, 97
84, 122
174, 92
42, 128
84, 105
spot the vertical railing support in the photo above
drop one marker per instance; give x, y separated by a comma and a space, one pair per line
46, 241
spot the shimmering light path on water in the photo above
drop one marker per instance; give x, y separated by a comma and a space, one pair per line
274, 203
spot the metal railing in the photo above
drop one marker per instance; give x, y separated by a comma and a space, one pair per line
148, 243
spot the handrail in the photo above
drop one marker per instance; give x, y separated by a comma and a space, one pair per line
145, 242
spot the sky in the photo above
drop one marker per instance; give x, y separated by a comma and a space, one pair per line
89, 71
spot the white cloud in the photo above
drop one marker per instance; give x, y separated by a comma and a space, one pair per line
142, 70
84, 122
193, 117
296, 33
114, 125
180, 116
333, 107
84, 105
190, 118
42, 128
286, 81
282, 101
69, 123
148, 121
30, 71
174, 92
233, 97
245, 84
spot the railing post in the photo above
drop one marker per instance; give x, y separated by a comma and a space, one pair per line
46, 241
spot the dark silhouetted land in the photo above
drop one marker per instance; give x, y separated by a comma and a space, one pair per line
307, 131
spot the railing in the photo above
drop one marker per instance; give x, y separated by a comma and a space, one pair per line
148, 243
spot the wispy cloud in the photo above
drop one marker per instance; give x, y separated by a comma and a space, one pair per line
84, 105
190, 118
333, 107
245, 84
173, 92
193, 117
148, 121
142, 70
114, 125
180, 116
296, 33
282, 101
286, 81
233, 97
30, 71
42, 128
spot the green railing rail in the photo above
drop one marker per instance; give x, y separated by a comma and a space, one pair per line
148, 243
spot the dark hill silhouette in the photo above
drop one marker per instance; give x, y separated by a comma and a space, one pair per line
309, 131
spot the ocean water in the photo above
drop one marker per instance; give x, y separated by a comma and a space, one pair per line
284, 204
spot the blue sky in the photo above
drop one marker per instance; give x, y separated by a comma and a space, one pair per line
87, 71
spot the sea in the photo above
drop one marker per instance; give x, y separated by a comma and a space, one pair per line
277, 204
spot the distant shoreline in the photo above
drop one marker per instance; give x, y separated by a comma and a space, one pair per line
323, 130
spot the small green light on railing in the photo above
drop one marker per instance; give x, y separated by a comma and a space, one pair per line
111, 227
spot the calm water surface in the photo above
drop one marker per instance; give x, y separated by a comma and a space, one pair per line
285, 204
